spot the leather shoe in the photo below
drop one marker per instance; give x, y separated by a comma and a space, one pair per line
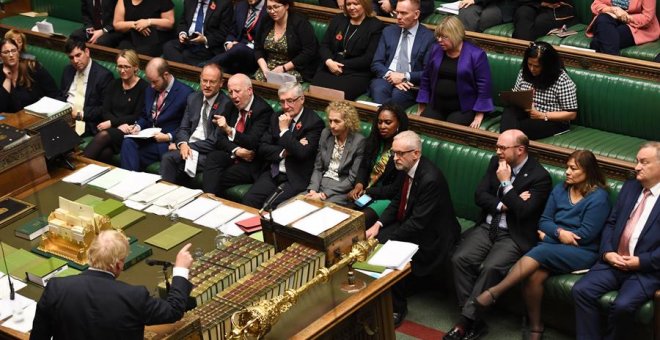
399, 317
455, 333
478, 329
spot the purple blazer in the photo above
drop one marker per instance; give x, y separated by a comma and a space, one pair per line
473, 79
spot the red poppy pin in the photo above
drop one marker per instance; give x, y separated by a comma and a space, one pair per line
339, 37
215, 106
212, 6
298, 126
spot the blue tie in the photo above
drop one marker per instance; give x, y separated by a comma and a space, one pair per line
199, 22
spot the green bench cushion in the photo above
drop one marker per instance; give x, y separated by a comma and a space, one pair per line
600, 142
503, 30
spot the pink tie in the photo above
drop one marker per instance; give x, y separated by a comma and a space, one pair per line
624, 243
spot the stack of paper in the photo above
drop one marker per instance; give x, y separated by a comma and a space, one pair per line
47, 107
219, 216
86, 174
110, 179
169, 202
320, 221
143, 198
197, 208
394, 254
144, 134
137, 181
292, 212
450, 7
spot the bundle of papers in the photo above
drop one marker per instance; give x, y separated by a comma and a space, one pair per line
86, 174
132, 184
110, 179
197, 208
292, 212
320, 221
168, 203
394, 254
222, 214
450, 7
143, 199
47, 107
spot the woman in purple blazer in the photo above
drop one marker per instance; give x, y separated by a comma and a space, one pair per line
456, 84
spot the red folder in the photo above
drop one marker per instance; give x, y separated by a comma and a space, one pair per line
250, 225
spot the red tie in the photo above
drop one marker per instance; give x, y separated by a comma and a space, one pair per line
404, 199
240, 125
624, 243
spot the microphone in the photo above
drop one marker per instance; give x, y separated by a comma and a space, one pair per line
12, 292
152, 262
272, 199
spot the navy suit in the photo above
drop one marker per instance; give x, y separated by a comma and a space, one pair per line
137, 154
98, 80
635, 287
172, 165
240, 58
381, 91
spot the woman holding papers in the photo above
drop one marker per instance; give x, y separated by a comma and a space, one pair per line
569, 234
340, 154
377, 177
285, 43
554, 99
456, 83
24, 81
122, 105
347, 49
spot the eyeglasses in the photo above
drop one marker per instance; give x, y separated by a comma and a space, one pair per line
10, 52
273, 8
541, 47
289, 101
399, 154
503, 148
442, 37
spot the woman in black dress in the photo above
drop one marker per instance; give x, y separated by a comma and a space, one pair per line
348, 48
146, 25
24, 81
123, 103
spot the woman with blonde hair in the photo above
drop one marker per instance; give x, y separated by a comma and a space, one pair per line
21, 41
339, 157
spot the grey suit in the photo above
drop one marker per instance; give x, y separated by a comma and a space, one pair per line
348, 167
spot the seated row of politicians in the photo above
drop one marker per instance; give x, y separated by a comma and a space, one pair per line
527, 230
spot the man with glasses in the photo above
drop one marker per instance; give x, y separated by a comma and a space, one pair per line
83, 85
512, 196
288, 148
421, 213
195, 137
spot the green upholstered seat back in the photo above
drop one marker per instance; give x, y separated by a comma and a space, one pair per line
178, 10
63, 9
319, 28
504, 69
53, 61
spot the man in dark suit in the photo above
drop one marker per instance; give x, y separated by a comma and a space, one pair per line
164, 103
202, 29
94, 305
512, 195
197, 131
83, 84
386, 8
288, 149
240, 125
421, 213
630, 255
239, 47
400, 58
97, 27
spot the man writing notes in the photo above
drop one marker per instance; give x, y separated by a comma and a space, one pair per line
512, 196
288, 148
240, 125
421, 213
95, 305
630, 255
195, 137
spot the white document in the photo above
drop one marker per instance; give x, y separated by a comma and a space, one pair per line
367, 103
47, 106
137, 181
145, 134
191, 163
4, 287
45, 27
160, 211
321, 221
394, 254
219, 216
86, 174
292, 212
82, 211
278, 78
177, 197
197, 208
152, 192
21, 321
450, 7
110, 178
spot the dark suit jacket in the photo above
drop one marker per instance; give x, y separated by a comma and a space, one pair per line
522, 218
299, 162
217, 22
387, 184
388, 43
302, 46
648, 244
191, 118
172, 110
429, 220
107, 13
240, 16
21, 96
348, 166
99, 79
93, 305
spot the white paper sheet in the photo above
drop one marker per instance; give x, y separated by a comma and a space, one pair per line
110, 178
177, 197
197, 208
450, 7
137, 181
145, 133
86, 174
231, 228
320, 221
152, 192
191, 164
219, 216
22, 321
292, 212
4, 286
48, 106
394, 254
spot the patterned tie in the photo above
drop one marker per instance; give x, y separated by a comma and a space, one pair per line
158, 105
251, 22
79, 97
199, 21
205, 118
624, 243
403, 64
240, 125
401, 213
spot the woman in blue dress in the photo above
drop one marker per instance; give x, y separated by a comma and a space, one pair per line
569, 231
